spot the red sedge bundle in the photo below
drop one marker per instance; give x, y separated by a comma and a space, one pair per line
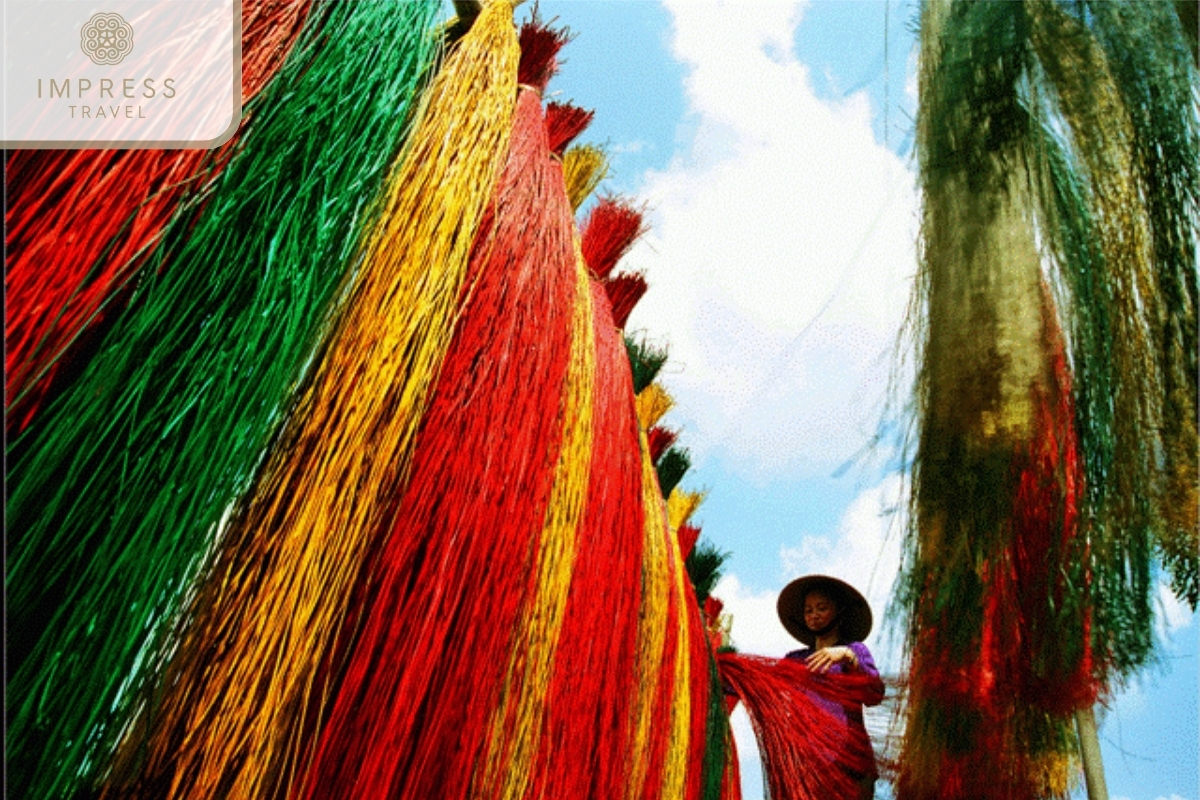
589, 709
805, 749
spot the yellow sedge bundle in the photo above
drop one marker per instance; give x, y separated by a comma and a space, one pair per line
658, 746
681, 505
678, 761
652, 403
584, 167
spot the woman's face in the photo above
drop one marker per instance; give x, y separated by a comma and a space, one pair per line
819, 611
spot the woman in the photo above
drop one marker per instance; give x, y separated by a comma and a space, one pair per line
831, 619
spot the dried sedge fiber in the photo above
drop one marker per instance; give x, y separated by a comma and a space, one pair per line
589, 711
611, 228
675, 759
979, 273
652, 403
269, 29
539, 45
675, 756
646, 360
806, 750
671, 468
710, 721
996, 723
659, 439
687, 535
1101, 134
681, 505
1049, 656
699, 662
658, 625
625, 291
970, 402
563, 123
1024, 754
535, 650
692, 683
117, 491
480, 548
1121, 580
1130, 294
731, 780
55, 315
517, 722
1029, 568
1166, 142
1132, 134
234, 716
115, 203
704, 564
584, 168
671, 750
718, 747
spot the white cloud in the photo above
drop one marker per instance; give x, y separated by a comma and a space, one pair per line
866, 554
912, 79
1174, 615
628, 147
780, 250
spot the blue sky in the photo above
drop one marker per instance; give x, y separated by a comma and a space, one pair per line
772, 144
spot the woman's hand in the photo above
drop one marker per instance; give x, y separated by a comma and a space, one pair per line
826, 657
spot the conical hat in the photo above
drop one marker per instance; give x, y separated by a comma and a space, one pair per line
856, 617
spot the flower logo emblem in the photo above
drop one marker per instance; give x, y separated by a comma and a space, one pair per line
106, 38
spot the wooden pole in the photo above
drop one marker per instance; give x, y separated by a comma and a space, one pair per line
1089, 751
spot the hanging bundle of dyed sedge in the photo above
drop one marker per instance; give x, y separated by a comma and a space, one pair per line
584, 167
80, 223
594, 744
118, 491
645, 360
609, 231
659, 439
1056, 303
611, 228
663, 699
233, 712
713, 767
590, 708
442, 695
517, 740
687, 758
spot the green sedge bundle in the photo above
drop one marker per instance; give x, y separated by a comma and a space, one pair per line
120, 491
